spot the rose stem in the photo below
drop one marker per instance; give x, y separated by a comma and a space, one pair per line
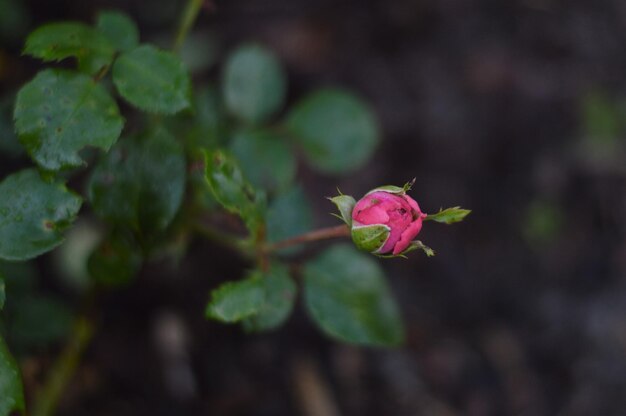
321, 234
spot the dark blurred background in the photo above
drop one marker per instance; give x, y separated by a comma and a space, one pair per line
514, 109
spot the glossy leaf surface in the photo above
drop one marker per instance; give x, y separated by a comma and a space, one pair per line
347, 296
119, 29
254, 83
336, 130
279, 298
60, 112
234, 301
152, 80
57, 41
232, 190
288, 215
266, 160
140, 183
33, 215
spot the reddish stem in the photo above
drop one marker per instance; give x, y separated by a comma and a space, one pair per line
321, 234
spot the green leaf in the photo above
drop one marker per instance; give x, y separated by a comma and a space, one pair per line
60, 112
39, 321
347, 296
336, 130
33, 215
201, 127
288, 215
234, 301
119, 29
279, 298
57, 41
2, 292
152, 80
201, 197
11, 390
345, 204
140, 182
232, 190
254, 84
227, 182
265, 159
115, 261
449, 215
200, 51
207, 124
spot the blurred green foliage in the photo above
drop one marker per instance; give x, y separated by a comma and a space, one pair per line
175, 155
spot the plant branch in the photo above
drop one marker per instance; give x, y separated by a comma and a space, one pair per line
262, 258
63, 368
321, 234
101, 73
228, 240
187, 19
260, 253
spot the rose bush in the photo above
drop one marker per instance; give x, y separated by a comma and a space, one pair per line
171, 166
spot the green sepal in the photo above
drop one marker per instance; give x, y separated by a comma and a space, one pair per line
345, 204
449, 215
415, 245
370, 238
392, 189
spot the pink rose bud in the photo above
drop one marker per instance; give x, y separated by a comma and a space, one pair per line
386, 220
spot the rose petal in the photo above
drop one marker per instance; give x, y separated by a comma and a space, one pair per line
392, 240
392, 205
372, 215
407, 236
383, 196
377, 201
361, 205
413, 205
